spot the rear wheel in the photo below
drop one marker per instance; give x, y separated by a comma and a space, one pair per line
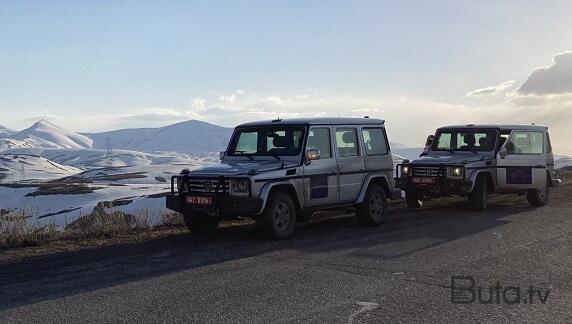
478, 197
539, 197
278, 219
200, 224
414, 199
373, 210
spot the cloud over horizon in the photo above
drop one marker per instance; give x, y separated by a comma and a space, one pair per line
553, 79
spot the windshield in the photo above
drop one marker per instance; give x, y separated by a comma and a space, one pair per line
465, 140
267, 141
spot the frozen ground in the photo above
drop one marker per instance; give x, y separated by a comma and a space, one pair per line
59, 185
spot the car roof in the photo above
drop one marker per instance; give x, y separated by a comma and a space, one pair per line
498, 126
317, 121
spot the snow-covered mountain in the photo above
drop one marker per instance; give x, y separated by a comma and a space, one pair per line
191, 136
5, 131
44, 134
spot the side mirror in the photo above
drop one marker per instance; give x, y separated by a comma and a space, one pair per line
429, 141
503, 152
312, 155
221, 155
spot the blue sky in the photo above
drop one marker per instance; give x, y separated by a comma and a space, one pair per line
72, 60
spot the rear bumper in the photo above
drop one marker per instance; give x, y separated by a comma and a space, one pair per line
224, 206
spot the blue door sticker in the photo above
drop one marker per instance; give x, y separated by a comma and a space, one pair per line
318, 186
519, 175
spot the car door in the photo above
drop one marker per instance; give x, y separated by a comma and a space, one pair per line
521, 161
321, 176
351, 165
377, 154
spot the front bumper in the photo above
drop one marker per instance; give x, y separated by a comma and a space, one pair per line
442, 187
223, 206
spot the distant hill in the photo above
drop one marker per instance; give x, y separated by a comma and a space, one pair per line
44, 134
47, 135
191, 136
6, 131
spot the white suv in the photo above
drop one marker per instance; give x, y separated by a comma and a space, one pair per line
474, 160
279, 172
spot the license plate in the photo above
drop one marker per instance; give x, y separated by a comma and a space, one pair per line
200, 200
419, 180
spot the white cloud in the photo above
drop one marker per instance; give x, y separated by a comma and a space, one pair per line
553, 79
492, 89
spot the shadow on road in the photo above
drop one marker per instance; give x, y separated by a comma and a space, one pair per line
405, 232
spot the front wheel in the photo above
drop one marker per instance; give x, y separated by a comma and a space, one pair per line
478, 197
278, 219
200, 224
373, 210
539, 197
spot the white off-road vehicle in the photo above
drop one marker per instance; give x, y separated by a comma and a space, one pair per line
475, 160
278, 172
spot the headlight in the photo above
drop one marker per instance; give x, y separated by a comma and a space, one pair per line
405, 169
240, 187
456, 172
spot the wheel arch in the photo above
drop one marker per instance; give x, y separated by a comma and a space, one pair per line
373, 180
488, 178
272, 188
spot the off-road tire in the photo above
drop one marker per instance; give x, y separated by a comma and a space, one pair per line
278, 219
373, 210
414, 199
478, 197
540, 197
200, 224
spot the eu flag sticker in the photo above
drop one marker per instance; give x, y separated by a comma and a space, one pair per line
519, 175
318, 186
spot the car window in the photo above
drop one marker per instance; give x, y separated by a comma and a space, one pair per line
267, 141
346, 142
247, 142
525, 142
374, 141
465, 140
319, 139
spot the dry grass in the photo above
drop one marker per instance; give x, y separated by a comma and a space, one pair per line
21, 228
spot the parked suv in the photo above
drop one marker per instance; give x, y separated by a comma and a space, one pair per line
475, 160
279, 172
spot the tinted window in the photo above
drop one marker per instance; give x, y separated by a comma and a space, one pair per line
374, 141
319, 139
523, 142
346, 141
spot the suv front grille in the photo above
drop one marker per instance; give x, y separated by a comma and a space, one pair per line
428, 171
204, 185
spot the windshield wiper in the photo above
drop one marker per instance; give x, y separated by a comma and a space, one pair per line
276, 157
243, 153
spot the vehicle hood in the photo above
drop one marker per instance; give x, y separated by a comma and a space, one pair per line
235, 168
459, 158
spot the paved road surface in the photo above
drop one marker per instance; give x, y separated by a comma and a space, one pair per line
331, 271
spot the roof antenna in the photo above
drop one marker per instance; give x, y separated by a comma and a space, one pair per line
277, 120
